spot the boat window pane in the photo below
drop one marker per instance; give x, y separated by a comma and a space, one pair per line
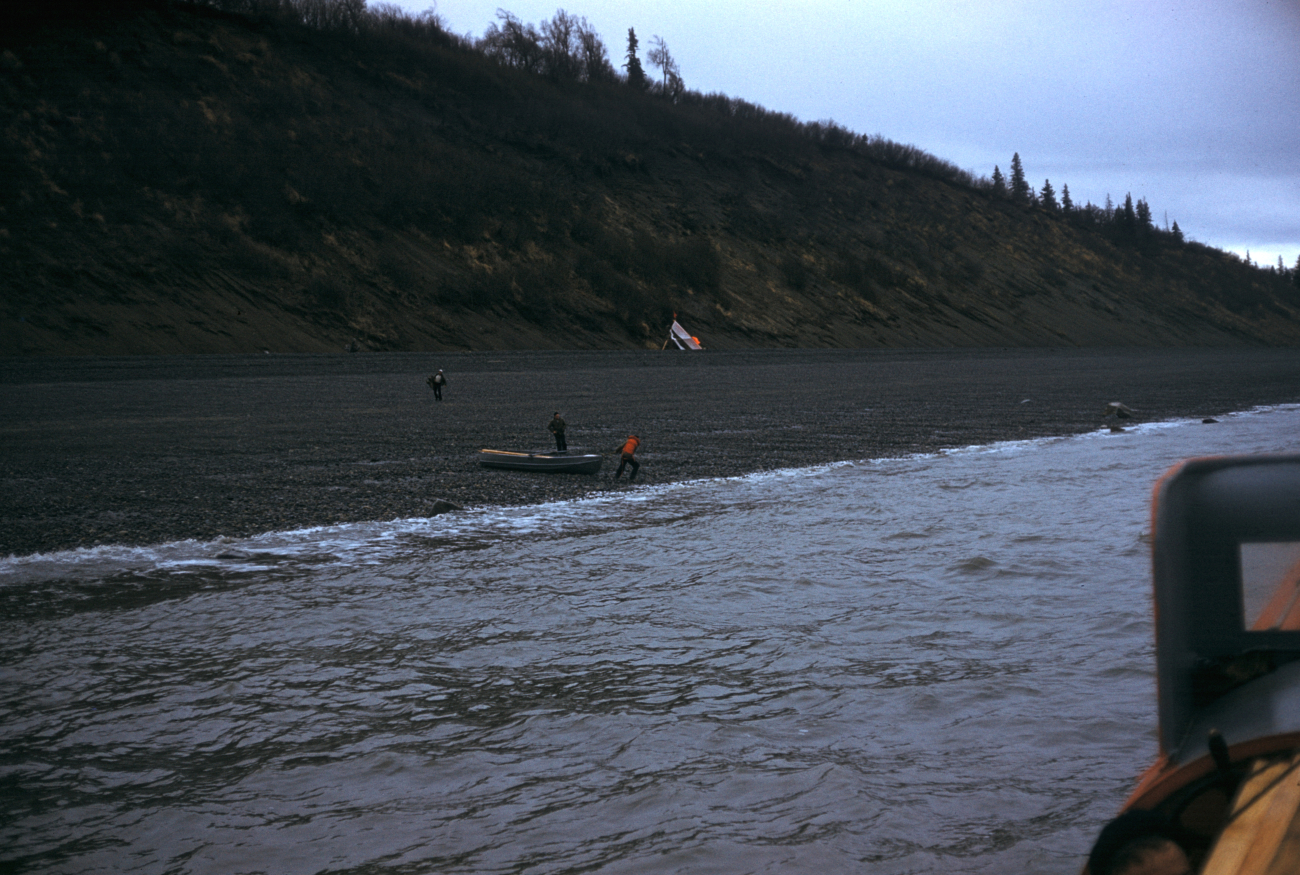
1270, 583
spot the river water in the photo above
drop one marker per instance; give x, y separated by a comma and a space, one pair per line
940, 663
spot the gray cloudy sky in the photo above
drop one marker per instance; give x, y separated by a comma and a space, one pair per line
1191, 104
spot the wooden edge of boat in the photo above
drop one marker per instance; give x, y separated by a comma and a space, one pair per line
1262, 835
1163, 778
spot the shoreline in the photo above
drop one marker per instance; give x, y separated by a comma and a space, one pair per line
139, 451
596, 492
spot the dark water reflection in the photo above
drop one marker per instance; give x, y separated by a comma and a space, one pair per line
931, 664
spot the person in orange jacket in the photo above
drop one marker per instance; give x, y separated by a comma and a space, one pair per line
626, 453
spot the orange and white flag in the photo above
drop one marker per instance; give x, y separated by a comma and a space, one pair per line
682, 337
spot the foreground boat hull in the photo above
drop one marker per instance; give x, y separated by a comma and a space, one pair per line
1226, 569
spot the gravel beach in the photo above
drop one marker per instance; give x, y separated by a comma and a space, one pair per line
144, 450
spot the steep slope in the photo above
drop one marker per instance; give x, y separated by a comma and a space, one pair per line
181, 180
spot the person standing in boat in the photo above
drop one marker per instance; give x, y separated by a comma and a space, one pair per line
436, 382
626, 453
556, 427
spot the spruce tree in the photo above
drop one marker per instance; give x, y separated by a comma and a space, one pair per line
635, 75
1143, 214
1126, 218
1048, 196
999, 184
1019, 186
1067, 205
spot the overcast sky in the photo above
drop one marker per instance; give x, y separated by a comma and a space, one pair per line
1191, 104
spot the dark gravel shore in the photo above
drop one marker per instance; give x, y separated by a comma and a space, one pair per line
144, 450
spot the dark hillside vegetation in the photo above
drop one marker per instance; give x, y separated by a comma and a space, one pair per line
185, 178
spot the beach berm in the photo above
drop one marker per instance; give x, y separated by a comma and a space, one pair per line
140, 450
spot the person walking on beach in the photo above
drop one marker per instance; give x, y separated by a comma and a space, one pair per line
436, 382
626, 453
556, 427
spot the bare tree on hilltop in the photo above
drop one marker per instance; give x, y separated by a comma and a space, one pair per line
573, 49
560, 44
595, 59
672, 85
565, 48
332, 14
513, 43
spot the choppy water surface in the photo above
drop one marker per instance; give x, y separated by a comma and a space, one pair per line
934, 664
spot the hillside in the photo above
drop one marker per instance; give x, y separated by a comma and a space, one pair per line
181, 180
